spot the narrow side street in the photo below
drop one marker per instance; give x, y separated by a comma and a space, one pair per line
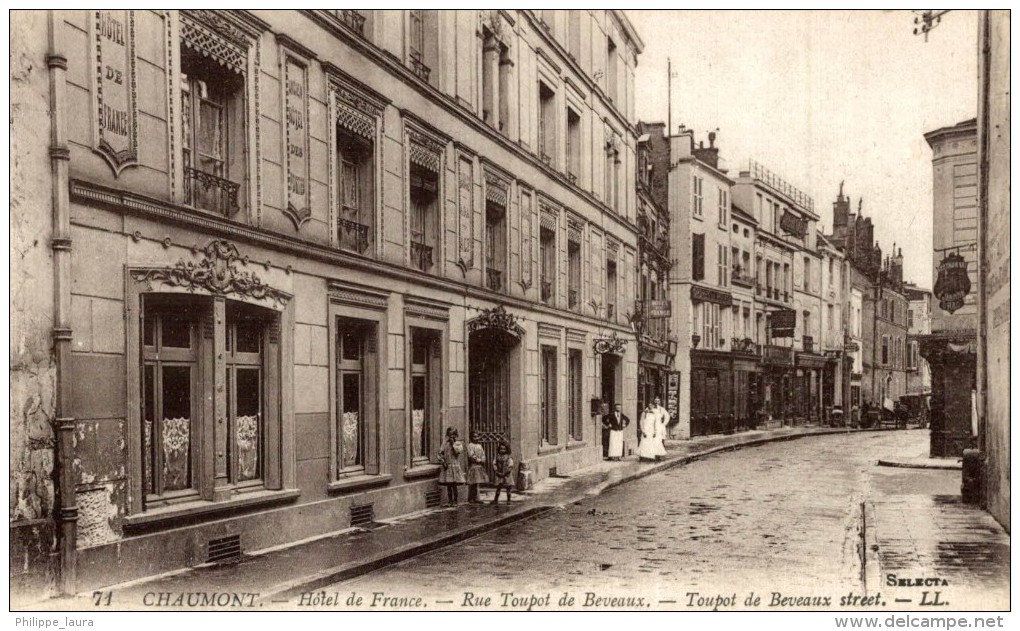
782, 516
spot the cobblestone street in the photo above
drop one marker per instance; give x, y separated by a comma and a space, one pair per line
784, 517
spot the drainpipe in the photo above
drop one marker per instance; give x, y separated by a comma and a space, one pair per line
66, 508
984, 42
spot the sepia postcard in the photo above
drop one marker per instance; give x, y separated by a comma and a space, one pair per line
510, 310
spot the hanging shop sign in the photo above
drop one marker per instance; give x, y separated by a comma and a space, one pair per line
953, 282
783, 322
609, 344
657, 309
792, 224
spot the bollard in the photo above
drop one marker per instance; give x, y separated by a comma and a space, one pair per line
972, 487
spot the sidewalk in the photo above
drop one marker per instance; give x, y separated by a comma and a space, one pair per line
269, 578
925, 548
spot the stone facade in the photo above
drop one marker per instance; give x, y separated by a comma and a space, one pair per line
281, 247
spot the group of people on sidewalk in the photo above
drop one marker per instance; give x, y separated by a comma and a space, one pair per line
453, 473
651, 432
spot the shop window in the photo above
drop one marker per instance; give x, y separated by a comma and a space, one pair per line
178, 373
212, 134
357, 191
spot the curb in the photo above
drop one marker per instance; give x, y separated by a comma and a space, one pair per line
352, 570
358, 568
682, 460
956, 466
872, 569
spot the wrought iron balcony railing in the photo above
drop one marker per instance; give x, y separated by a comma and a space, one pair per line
547, 291
351, 19
421, 256
494, 279
210, 192
353, 236
419, 68
739, 278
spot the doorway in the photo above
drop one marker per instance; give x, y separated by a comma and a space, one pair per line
490, 396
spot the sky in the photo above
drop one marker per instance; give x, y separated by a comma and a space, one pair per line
819, 97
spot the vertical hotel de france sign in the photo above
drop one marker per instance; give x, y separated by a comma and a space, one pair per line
115, 128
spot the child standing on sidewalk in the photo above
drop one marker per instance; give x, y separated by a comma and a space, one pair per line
503, 469
452, 474
476, 468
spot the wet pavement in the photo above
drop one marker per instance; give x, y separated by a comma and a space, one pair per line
725, 516
786, 518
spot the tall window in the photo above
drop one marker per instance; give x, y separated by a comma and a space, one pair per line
724, 207
547, 244
426, 392
697, 190
546, 123
422, 42
549, 396
574, 34
786, 282
712, 324
832, 274
495, 81
612, 73
722, 266
832, 318
910, 318
611, 290
424, 196
357, 191
573, 145
575, 378
178, 333
495, 246
807, 274
212, 134
808, 337
885, 349
573, 274
354, 342
697, 256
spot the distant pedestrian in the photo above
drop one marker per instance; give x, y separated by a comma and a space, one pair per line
617, 421
662, 422
650, 447
452, 474
476, 468
503, 472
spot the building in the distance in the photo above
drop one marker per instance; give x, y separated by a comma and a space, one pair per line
267, 259
700, 285
951, 347
918, 324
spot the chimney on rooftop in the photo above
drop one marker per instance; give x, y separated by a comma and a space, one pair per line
710, 154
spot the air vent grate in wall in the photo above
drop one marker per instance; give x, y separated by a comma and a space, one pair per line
224, 549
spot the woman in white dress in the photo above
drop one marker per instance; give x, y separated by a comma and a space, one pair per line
650, 443
661, 421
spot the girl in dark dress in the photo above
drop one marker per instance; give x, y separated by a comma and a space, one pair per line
503, 472
452, 474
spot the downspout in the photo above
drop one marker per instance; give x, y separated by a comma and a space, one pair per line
66, 509
984, 42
